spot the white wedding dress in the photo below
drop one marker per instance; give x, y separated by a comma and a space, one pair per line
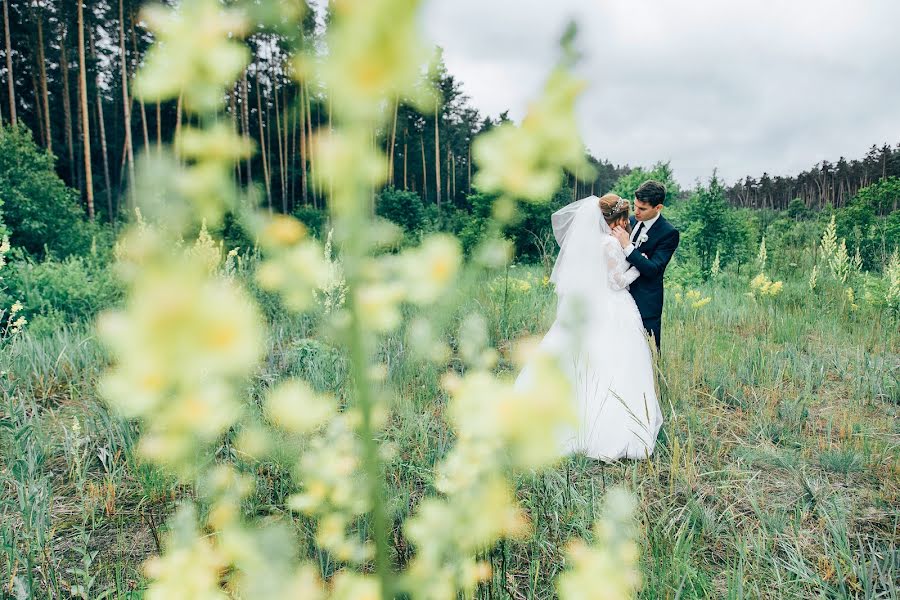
599, 340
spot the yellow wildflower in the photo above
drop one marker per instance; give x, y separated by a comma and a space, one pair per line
294, 406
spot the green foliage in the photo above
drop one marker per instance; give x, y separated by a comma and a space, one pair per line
883, 197
797, 209
531, 232
74, 289
476, 226
869, 223
403, 208
449, 219
39, 209
315, 219
708, 224
661, 171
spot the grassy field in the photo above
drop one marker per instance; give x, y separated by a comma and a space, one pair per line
776, 474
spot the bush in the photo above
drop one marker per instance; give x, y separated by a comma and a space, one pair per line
73, 289
449, 219
401, 207
797, 210
532, 231
708, 224
39, 209
315, 219
476, 225
862, 224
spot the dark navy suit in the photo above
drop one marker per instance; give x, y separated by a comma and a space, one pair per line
647, 290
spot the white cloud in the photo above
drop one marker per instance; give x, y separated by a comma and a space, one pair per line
744, 86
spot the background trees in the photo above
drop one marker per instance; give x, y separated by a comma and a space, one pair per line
66, 70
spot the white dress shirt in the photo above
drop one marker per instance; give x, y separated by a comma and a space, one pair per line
647, 225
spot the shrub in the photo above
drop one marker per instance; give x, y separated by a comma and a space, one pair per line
74, 289
315, 219
797, 210
39, 209
401, 207
869, 223
708, 224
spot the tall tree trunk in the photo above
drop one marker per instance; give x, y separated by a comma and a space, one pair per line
126, 100
232, 105
43, 69
284, 167
67, 107
281, 177
102, 127
301, 108
86, 132
158, 128
245, 123
330, 130
134, 49
437, 156
262, 143
38, 111
393, 143
424, 169
405, 146
179, 107
269, 142
10, 79
295, 116
311, 154
453, 176
469, 166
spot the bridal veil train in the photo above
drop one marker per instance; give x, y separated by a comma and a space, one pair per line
599, 340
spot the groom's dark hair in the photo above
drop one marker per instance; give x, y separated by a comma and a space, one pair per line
652, 192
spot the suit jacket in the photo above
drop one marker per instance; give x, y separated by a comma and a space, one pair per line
647, 290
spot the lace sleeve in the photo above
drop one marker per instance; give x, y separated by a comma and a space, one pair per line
619, 275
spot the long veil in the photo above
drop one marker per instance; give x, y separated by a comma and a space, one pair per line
579, 267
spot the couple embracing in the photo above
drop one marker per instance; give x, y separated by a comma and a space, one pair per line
609, 283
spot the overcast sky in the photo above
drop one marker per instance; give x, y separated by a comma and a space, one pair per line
745, 86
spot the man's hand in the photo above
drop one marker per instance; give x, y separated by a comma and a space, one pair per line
620, 234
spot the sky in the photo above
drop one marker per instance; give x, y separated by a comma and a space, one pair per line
739, 86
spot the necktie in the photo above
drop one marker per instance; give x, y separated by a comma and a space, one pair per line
637, 233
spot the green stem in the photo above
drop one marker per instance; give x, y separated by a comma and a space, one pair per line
371, 458
354, 250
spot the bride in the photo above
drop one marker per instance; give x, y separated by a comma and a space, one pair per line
598, 336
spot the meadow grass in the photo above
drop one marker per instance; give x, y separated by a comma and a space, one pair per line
775, 474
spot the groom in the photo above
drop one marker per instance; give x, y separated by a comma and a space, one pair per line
649, 248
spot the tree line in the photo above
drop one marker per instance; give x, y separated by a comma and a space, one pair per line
68, 69
826, 184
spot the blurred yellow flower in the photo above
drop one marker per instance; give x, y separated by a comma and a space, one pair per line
526, 161
430, 269
348, 585
282, 230
375, 53
198, 52
764, 286
190, 569
379, 305
294, 406
701, 303
607, 569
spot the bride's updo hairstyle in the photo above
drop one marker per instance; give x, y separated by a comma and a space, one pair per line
615, 210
